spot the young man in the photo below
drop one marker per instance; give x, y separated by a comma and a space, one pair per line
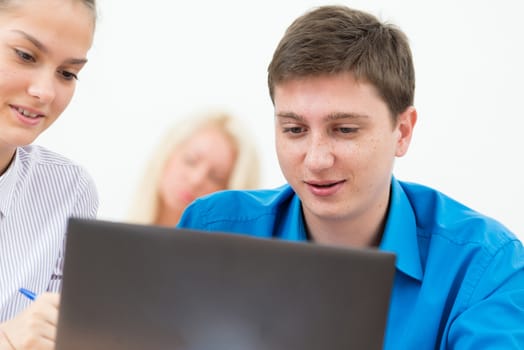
342, 84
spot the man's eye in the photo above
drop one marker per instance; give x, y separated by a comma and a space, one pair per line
25, 56
347, 130
294, 130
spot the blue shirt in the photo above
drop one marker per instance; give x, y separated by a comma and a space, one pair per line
459, 281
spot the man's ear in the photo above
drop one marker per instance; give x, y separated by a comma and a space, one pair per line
405, 124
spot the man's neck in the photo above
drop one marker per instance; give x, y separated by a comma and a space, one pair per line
359, 232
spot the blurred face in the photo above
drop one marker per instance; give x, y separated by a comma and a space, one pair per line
201, 165
336, 145
43, 47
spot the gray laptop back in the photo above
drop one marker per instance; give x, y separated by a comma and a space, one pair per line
130, 287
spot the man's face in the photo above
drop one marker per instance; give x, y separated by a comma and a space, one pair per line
336, 144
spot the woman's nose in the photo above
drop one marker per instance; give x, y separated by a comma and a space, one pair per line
42, 87
198, 175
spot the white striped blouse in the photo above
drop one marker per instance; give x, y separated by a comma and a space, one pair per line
38, 193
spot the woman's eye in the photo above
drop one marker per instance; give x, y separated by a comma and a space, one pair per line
68, 75
25, 56
217, 180
189, 160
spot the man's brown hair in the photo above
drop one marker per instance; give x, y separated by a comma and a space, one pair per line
337, 39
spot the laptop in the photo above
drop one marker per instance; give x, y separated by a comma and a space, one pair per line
130, 287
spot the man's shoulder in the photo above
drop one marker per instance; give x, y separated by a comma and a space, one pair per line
438, 214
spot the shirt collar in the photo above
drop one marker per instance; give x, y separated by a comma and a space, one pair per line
293, 229
399, 237
400, 233
7, 185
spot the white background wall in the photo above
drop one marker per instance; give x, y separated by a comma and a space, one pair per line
156, 61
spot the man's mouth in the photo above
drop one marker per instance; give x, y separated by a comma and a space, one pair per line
324, 184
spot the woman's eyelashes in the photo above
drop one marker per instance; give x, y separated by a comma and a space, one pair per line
190, 159
25, 56
67, 75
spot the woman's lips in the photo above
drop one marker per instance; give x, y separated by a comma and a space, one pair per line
186, 197
27, 117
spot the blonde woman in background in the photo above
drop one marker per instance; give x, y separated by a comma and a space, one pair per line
197, 156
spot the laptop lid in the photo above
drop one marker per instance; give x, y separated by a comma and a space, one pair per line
133, 287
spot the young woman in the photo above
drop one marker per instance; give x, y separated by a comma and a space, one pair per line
200, 155
43, 47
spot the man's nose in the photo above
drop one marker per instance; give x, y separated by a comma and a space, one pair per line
319, 155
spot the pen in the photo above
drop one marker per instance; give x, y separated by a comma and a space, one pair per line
27, 293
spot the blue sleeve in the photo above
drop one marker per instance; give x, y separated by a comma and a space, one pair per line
494, 318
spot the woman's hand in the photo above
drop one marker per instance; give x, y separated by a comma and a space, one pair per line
35, 327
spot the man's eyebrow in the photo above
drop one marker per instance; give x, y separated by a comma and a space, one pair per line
343, 115
43, 48
290, 115
329, 117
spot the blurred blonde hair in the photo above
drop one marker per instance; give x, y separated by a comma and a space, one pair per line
245, 174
